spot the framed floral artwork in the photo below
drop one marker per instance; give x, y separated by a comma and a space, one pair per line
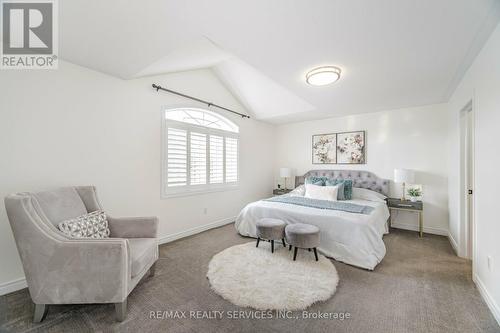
324, 148
351, 148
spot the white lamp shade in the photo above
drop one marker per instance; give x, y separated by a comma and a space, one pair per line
404, 176
285, 172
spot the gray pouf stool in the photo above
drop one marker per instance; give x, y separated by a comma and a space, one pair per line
304, 236
270, 229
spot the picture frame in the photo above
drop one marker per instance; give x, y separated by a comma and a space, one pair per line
324, 148
351, 147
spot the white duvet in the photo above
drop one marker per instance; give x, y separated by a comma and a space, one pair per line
352, 238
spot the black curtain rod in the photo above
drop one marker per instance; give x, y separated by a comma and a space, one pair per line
209, 104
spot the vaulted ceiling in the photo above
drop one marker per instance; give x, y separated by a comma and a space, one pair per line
393, 53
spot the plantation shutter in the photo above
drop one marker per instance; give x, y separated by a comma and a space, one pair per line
231, 160
198, 158
216, 159
201, 152
176, 157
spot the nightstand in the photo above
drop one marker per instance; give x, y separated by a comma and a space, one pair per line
281, 191
407, 205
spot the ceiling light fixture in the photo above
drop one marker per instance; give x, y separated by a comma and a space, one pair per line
323, 75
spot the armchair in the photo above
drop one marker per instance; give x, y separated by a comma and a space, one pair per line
64, 270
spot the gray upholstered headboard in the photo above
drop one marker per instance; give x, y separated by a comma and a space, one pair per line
363, 179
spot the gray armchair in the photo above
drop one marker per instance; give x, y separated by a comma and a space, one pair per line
64, 270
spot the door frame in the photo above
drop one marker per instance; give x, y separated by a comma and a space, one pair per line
467, 161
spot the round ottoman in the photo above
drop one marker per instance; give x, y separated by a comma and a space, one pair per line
304, 236
270, 229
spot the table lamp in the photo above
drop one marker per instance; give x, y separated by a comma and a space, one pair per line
404, 176
285, 173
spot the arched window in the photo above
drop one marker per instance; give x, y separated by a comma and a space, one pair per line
203, 118
200, 152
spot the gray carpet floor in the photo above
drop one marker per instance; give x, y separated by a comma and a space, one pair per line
420, 286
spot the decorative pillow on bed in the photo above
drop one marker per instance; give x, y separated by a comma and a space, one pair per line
340, 184
348, 189
345, 187
91, 225
316, 180
366, 194
321, 192
299, 191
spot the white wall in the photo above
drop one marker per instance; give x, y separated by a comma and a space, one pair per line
481, 84
74, 126
413, 138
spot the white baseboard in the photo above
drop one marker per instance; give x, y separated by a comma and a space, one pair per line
453, 243
11, 286
429, 230
196, 230
492, 305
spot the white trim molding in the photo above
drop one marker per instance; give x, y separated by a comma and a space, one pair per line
428, 230
14, 285
492, 305
453, 243
196, 230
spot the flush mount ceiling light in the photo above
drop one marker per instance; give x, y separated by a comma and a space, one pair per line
323, 75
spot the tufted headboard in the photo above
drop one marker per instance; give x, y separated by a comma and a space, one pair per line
363, 179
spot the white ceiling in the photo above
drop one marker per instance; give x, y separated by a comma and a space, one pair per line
393, 53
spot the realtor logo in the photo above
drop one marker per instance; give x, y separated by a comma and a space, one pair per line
29, 34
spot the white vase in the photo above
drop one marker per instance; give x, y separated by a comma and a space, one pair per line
413, 199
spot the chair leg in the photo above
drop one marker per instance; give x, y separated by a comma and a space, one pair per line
290, 247
152, 270
40, 312
272, 245
121, 310
258, 240
315, 254
283, 240
295, 253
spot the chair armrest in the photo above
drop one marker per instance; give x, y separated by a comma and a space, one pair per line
83, 271
133, 227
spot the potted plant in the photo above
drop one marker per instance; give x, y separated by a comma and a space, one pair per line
414, 193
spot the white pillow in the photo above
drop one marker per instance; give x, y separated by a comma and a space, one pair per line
299, 191
321, 192
366, 194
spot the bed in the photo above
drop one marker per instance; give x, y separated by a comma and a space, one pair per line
353, 238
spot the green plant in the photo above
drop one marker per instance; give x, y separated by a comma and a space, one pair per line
414, 192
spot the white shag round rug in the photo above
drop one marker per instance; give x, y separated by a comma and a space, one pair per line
254, 277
